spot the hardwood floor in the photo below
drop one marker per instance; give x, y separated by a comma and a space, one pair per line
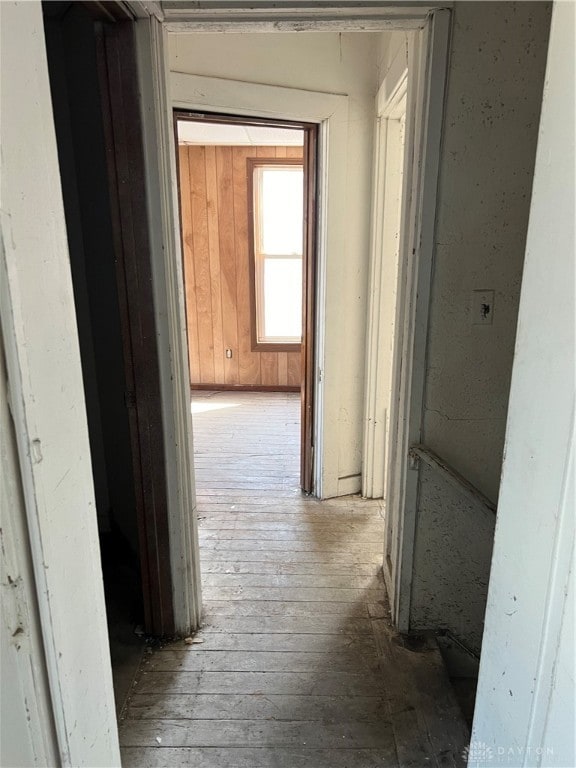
296, 665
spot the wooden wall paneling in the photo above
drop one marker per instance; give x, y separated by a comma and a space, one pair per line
197, 166
189, 275
249, 361
269, 368
214, 257
227, 262
294, 369
214, 204
283, 368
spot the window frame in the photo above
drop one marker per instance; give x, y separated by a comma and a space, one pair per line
252, 163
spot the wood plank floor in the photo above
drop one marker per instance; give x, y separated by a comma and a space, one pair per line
297, 666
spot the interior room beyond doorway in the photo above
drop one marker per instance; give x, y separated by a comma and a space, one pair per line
243, 196
241, 193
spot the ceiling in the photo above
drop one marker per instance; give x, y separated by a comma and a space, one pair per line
224, 134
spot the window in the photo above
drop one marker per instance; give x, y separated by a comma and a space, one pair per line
277, 238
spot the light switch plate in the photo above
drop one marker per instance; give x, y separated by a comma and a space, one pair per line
482, 307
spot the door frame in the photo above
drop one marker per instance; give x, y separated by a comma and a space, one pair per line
428, 53
387, 206
306, 347
164, 91
48, 402
195, 93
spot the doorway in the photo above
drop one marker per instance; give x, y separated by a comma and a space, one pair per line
247, 212
91, 62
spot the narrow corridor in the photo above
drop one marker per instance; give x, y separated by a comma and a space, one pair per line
295, 665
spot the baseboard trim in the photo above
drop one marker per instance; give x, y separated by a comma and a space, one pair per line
242, 388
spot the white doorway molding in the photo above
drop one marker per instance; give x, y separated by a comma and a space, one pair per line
397, 336
330, 112
389, 152
294, 16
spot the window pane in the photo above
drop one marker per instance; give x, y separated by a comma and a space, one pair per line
282, 199
282, 299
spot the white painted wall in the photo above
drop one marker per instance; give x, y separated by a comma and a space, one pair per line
47, 407
347, 64
526, 696
388, 46
27, 736
452, 549
494, 92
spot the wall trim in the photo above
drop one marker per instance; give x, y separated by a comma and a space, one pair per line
239, 16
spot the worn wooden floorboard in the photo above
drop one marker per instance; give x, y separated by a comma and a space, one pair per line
298, 569
263, 661
299, 545
259, 733
262, 521
229, 607
293, 708
289, 594
295, 536
279, 557
298, 666
264, 757
264, 581
278, 642
309, 625
321, 683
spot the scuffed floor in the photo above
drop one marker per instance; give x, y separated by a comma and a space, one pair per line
296, 664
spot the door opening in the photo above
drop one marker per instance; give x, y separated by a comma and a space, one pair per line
247, 213
92, 69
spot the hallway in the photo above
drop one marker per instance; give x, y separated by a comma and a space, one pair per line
295, 665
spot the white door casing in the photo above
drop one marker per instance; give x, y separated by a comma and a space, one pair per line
391, 105
330, 112
427, 67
